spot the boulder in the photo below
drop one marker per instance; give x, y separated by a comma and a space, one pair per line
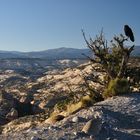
75, 119
93, 127
7, 102
13, 114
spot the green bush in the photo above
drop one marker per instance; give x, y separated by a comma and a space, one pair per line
116, 87
87, 101
62, 105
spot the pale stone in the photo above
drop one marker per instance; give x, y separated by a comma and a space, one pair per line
75, 119
13, 114
93, 127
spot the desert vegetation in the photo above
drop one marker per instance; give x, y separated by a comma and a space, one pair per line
118, 76
112, 60
113, 57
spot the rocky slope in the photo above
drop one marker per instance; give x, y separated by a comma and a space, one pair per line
116, 118
26, 104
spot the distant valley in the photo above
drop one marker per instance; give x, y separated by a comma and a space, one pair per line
59, 58
42, 61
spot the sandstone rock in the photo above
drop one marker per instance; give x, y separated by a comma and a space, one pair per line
11, 127
5, 107
98, 114
24, 99
75, 119
42, 105
13, 114
93, 127
135, 89
75, 133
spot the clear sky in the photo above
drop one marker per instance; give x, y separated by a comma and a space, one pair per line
32, 25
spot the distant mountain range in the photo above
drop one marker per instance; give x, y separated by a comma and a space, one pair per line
59, 53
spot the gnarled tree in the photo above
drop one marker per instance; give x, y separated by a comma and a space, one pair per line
113, 58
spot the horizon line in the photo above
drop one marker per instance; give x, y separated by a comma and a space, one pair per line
47, 49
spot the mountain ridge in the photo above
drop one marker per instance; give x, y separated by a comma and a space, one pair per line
58, 53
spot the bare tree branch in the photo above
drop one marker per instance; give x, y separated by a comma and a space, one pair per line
114, 61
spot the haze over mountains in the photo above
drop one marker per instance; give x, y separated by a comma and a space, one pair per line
59, 53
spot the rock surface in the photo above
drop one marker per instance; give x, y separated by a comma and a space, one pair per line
13, 114
119, 120
93, 127
37, 94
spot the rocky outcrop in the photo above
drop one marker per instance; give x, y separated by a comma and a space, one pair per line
13, 114
12, 108
7, 102
115, 118
93, 127
22, 117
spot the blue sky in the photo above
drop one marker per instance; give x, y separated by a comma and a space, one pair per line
33, 25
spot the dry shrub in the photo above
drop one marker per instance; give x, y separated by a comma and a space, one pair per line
117, 87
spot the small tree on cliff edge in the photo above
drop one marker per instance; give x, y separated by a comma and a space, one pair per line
113, 57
